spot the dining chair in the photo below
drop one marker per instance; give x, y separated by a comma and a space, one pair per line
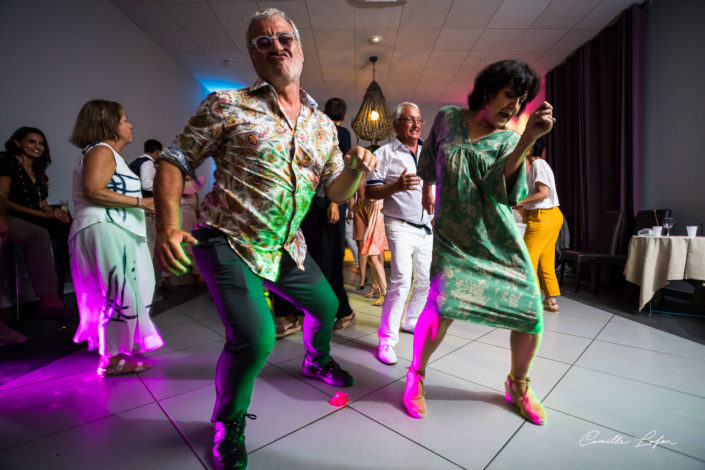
647, 218
604, 251
19, 265
12, 252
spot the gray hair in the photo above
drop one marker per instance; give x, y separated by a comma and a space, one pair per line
397, 111
264, 14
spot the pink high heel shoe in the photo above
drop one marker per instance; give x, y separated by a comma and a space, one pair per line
529, 405
414, 394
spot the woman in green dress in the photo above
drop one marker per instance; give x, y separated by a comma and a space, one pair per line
481, 270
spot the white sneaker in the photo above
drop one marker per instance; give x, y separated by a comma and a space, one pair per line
409, 326
386, 354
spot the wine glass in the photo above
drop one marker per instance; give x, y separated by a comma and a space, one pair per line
668, 225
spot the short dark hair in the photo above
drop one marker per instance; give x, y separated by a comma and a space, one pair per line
513, 73
39, 165
152, 145
538, 147
97, 121
335, 109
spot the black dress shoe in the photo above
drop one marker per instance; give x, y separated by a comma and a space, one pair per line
229, 451
331, 373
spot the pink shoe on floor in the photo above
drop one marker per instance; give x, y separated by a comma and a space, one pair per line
529, 405
414, 394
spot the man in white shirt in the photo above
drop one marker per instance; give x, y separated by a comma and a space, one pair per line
407, 226
145, 165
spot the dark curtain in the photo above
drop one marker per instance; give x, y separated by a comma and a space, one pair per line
595, 148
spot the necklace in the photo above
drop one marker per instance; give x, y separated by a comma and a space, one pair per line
27, 167
29, 187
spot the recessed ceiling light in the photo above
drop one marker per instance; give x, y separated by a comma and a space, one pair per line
375, 39
373, 3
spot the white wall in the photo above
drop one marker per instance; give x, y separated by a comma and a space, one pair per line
674, 163
58, 54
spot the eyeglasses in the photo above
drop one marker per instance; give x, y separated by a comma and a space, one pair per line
411, 120
265, 43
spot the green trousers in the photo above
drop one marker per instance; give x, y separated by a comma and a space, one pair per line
249, 325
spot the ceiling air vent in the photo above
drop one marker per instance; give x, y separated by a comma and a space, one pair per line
376, 3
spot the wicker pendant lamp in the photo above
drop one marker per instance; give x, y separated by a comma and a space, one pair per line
374, 121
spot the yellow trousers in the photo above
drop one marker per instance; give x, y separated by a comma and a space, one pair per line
542, 228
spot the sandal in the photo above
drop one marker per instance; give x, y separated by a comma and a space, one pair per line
285, 326
373, 292
551, 307
380, 301
414, 394
363, 283
120, 364
529, 405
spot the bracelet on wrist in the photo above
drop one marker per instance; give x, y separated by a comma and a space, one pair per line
139, 202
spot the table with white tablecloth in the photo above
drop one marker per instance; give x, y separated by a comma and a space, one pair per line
652, 262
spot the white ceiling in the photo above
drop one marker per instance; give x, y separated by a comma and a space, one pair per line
430, 53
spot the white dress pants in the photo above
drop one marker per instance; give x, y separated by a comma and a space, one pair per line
411, 249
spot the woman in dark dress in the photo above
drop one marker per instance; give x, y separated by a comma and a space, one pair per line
28, 220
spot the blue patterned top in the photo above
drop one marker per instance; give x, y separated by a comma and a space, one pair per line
123, 181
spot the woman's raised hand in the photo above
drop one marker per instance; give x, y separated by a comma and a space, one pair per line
540, 122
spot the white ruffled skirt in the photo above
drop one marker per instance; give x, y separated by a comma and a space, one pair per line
114, 281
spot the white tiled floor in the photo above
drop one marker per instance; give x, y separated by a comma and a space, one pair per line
610, 385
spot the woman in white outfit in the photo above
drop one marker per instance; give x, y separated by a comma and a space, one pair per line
190, 213
110, 261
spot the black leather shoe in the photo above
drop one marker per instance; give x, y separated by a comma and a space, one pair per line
229, 451
331, 373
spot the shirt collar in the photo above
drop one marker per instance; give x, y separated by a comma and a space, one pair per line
305, 97
399, 145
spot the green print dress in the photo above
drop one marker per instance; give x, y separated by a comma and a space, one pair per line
481, 270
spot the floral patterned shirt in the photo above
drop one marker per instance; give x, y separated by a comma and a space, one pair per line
267, 170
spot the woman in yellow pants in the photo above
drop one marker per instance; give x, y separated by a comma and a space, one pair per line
543, 221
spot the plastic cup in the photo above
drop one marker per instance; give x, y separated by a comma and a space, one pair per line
657, 230
692, 230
